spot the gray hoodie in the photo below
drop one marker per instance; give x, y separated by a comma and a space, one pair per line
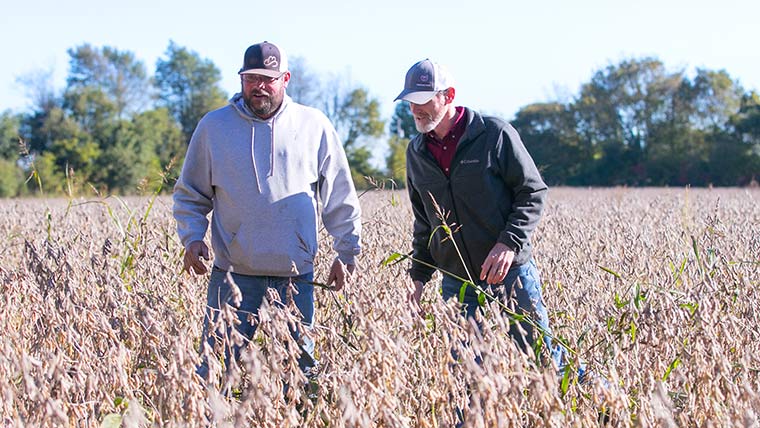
262, 179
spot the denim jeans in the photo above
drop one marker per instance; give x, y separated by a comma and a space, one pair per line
253, 290
523, 297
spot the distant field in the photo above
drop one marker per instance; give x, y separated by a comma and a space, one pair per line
657, 290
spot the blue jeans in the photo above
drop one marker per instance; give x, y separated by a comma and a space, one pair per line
523, 297
253, 290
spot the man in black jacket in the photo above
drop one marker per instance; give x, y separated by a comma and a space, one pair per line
472, 174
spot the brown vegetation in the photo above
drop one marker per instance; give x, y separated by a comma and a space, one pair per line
656, 289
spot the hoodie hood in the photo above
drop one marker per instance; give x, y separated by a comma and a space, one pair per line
238, 102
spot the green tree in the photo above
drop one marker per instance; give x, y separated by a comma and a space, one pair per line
159, 131
715, 98
67, 147
92, 110
746, 124
395, 162
9, 135
106, 95
38, 89
356, 117
699, 146
133, 149
188, 86
51, 178
105, 88
402, 130
549, 133
11, 178
402, 121
747, 120
117, 74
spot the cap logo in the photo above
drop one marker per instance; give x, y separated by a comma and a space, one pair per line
271, 62
424, 78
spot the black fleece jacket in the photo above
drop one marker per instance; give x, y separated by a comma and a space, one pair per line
494, 194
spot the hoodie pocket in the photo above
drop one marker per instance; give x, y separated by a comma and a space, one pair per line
279, 249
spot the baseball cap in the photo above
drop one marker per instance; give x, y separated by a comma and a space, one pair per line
264, 58
423, 81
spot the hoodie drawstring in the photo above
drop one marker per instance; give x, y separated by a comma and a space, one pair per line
271, 149
253, 157
272, 156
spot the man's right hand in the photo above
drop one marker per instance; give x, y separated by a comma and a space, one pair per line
192, 260
416, 294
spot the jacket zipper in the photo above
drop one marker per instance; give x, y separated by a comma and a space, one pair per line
466, 256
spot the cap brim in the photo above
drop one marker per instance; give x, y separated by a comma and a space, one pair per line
418, 97
262, 71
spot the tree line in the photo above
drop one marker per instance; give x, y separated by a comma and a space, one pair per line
637, 124
114, 128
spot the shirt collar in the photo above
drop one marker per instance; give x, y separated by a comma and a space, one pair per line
456, 130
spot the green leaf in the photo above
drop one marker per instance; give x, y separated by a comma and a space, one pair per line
619, 302
696, 251
481, 299
610, 323
610, 271
638, 297
632, 331
462, 290
393, 257
690, 306
565, 385
538, 345
680, 270
676, 362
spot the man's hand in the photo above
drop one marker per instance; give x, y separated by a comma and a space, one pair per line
415, 294
497, 264
192, 260
340, 274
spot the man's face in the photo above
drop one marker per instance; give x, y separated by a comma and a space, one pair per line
263, 94
427, 116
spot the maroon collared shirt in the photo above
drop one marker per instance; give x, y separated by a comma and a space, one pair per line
443, 150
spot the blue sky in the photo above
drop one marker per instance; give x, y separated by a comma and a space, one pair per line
502, 54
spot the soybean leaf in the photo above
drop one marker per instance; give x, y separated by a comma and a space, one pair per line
610, 271
393, 257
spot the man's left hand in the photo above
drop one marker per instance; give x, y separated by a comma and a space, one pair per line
494, 269
340, 274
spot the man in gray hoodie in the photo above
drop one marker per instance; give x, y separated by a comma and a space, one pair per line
266, 168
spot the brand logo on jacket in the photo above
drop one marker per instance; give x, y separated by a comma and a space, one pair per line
469, 161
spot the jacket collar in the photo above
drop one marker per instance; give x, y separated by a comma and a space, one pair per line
475, 127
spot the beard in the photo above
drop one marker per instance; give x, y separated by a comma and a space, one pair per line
427, 123
262, 103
